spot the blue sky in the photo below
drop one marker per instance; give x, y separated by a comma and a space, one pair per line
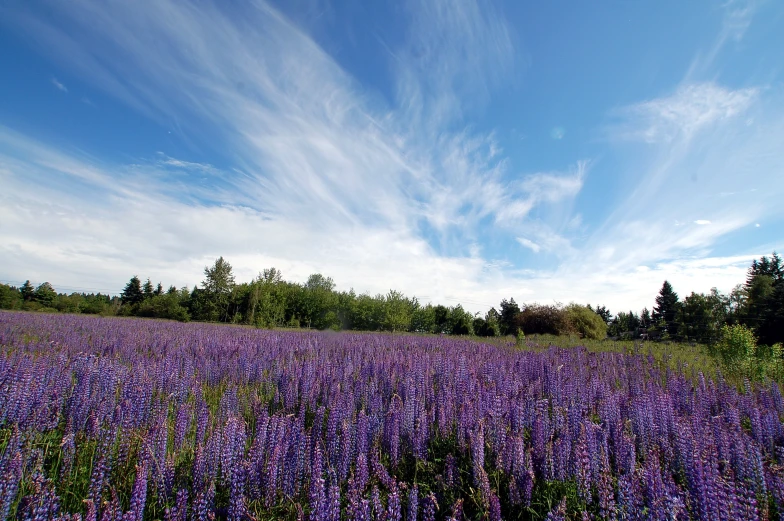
457, 151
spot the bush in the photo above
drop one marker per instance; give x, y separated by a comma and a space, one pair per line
583, 320
737, 345
538, 319
163, 306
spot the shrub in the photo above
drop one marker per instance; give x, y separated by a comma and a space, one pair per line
540, 319
583, 320
737, 349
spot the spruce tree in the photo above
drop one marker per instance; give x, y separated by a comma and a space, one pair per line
148, 289
132, 294
665, 312
27, 290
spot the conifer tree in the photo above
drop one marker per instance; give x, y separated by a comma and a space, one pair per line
665, 312
132, 294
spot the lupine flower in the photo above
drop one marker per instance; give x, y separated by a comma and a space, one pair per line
375, 403
412, 504
430, 507
558, 513
394, 512
138, 495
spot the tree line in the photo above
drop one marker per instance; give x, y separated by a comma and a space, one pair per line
757, 304
270, 301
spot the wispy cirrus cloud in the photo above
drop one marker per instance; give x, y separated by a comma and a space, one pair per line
59, 85
681, 115
323, 175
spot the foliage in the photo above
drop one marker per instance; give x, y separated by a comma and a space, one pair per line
132, 293
665, 312
508, 317
584, 321
543, 319
163, 306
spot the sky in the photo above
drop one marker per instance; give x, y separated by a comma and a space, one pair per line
459, 152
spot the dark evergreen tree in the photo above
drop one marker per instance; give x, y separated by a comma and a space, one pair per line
602, 312
132, 294
45, 294
645, 318
440, 319
148, 289
665, 312
508, 319
27, 290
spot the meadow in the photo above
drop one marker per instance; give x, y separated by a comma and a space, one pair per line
132, 419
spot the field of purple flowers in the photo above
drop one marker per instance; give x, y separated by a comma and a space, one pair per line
123, 419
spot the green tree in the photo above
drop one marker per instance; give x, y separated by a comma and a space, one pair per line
218, 278
701, 317
163, 306
27, 291
318, 302
508, 316
132, 293
397, 312
542, 319
367, 313
602, 312
736, 346
10, 297
646, 320
266, 300
460, 321
423, 319
148, 290
45, 295
665, 312
586, 322
625, 325
218, 284
440, 319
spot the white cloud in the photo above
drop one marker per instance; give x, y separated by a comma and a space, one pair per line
692, 108
528, 243
702, 222
59, 85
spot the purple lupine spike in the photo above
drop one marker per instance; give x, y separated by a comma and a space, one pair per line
558, 513
429, 508
42, 503
394, 512
457, 511
361, 473
630, 503
181, 424
317, 494
181, 506
111, 508
203, 504
10, 475
450, 471
91, 513
138, 495
412, 505
333, 500
378, 507
582, 465
604, 487
495, 507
